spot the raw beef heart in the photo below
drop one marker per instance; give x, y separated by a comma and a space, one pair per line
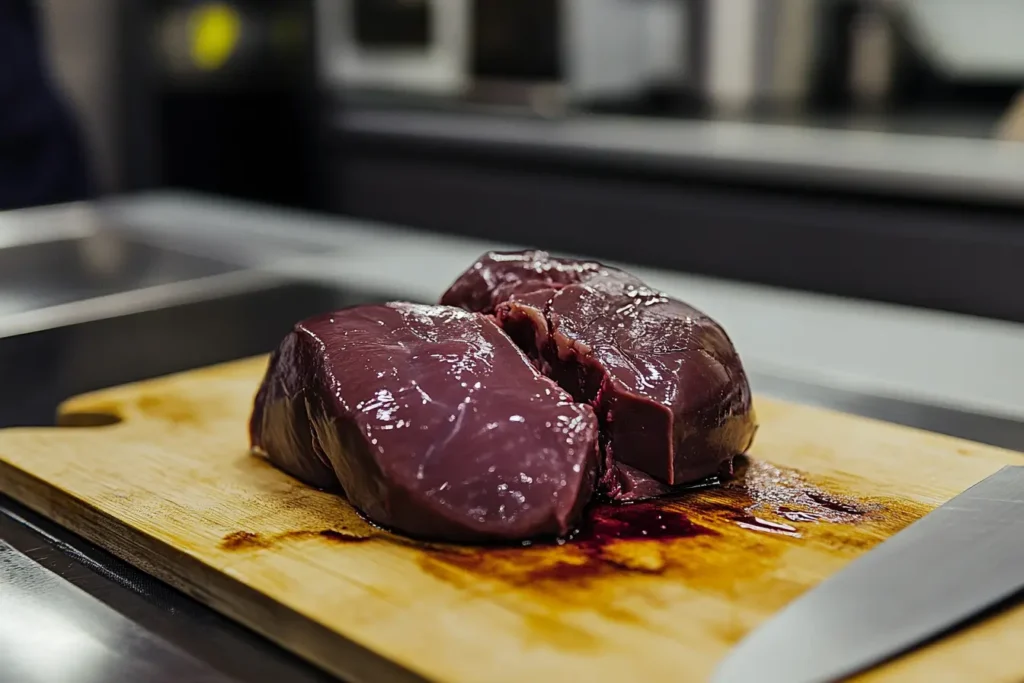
433, 422
665, 380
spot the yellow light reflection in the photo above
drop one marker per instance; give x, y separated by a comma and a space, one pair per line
214, 30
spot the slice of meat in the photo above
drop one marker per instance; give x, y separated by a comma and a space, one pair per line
432, 420
667, 384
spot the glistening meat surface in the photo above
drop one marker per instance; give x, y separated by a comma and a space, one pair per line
664, 378
432, 422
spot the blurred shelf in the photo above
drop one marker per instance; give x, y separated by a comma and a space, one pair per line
946, 156
945, 119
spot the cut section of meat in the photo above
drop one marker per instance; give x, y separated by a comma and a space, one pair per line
433, 422
668, 387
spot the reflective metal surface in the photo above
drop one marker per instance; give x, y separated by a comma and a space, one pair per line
86, 302
39, 370
43, 273
72, 613
74, 264
52, 631
956, 562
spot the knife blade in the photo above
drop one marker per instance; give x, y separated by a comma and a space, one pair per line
952, 564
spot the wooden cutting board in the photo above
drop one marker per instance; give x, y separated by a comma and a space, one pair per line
159, 474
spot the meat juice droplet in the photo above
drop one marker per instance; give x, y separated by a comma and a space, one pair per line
767, 526
833, 504
592, 547
639, 521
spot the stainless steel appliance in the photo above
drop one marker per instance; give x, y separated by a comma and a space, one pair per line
750, 52
578, 50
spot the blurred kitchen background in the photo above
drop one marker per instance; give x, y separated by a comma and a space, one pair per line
838, 181
186, 93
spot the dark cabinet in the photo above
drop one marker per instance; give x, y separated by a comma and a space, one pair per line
220, 97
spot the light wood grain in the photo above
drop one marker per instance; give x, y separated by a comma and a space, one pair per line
173, 490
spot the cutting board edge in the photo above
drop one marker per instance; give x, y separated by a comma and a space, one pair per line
81, 402
298, 634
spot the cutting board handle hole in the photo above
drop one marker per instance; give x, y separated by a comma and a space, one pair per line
88, 420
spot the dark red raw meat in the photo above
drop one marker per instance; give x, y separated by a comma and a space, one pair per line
664, 378
432, 422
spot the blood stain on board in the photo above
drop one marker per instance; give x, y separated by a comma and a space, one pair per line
727, 539
600, 545
244, 540
777, 492
247, 540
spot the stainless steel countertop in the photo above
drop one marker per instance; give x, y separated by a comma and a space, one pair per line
74, 614
65, 603
64, 265
51, 630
